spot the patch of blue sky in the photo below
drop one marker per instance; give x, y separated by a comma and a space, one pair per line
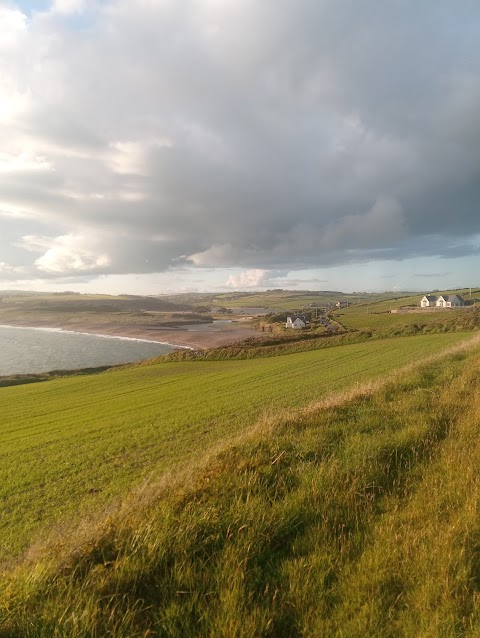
31, 6
79, 21
75, 20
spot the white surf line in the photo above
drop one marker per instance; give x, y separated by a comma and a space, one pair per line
95, 334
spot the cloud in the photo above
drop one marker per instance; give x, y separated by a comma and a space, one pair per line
249, 279
13, 24
68, 6
6, 269
144, 136
216, 255
66, 254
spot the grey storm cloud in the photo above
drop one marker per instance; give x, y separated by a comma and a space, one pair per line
275, 134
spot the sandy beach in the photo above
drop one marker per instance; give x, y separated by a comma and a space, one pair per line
197, 336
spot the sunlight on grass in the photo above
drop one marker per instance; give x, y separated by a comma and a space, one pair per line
354, 516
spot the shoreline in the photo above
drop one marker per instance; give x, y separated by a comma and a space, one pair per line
92, 334
193, 337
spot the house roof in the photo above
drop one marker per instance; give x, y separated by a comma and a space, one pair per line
454, 298
451, 298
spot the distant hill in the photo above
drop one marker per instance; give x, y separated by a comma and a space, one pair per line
21, 293
69, 302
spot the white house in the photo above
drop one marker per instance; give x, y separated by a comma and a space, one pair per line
296, 321
442, 301
428, 301
450, 301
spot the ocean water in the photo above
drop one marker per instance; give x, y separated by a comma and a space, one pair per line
26, 350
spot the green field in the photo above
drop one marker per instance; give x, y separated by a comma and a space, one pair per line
79, 441
290, 299
280, 299
361, 318
376, 315
335, 515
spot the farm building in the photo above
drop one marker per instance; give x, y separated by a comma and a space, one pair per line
296, 321
442, 301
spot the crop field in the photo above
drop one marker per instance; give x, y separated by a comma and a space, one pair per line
285, 299
77, 442
290, 300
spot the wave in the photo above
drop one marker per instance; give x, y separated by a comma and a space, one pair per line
94, 334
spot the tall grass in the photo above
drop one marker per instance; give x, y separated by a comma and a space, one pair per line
354, 516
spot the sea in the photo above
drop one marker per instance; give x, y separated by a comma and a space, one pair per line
33, 350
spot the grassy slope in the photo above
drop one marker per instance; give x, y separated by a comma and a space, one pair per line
359, 319
281, 300
282, 341
77, 441
288, 300
291, 299
349, 518
377, 315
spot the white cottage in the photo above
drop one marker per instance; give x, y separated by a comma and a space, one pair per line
428, 301
296, 322
450, 301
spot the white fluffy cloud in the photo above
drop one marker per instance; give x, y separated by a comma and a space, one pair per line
66, 254
254, 278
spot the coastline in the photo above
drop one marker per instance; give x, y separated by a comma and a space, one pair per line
201, 336
89, 333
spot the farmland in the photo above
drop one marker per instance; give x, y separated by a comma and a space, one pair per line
280, 299
85, 439
378, 315
270, 490
361, 318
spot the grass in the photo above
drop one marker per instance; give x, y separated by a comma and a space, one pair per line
22, 379
290, 299
355, 515
278, 299
282, 341
376, 314
77, 442
359, 319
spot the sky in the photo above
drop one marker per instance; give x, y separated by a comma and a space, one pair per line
197, 145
